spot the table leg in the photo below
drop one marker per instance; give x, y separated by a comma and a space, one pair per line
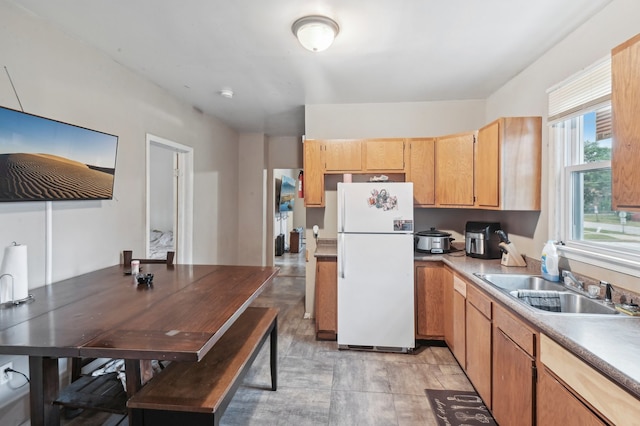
274, 356
134, 383
43, 390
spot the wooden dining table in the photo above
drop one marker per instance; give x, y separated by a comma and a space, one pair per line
104, 314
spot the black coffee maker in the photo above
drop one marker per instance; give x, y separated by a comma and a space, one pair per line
481, 240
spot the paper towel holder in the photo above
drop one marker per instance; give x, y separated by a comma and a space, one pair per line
14, 302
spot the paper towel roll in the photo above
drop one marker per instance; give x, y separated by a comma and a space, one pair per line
14, 263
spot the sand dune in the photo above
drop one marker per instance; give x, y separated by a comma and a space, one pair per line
40, 176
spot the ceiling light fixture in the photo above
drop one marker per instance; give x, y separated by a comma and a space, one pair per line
315, 33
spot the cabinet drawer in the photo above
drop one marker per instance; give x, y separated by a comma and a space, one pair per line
479, 301
556, 404
460, 285
608, 398
522, 335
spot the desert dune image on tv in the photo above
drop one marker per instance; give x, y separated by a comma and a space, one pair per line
43, 159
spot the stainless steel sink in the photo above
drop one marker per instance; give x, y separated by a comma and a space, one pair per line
570, 302
511, 282
577, 304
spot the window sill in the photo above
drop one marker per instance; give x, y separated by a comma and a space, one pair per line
604, 258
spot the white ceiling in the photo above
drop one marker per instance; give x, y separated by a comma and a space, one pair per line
387, 50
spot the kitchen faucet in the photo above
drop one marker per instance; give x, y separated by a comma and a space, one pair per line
568, 274
608, 289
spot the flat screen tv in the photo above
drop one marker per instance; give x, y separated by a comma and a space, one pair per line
287, 194
48, 160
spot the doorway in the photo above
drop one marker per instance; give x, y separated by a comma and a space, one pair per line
169, 211
289, 217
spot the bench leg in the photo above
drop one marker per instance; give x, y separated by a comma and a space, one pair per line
274, 355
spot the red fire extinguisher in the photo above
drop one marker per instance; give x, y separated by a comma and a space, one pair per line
301, 184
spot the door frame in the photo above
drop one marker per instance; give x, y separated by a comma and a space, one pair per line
183, 224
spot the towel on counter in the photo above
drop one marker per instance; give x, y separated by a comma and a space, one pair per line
547, 300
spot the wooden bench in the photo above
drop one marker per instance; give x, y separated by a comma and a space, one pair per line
197, 393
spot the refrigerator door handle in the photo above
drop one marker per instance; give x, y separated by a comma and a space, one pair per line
342, 257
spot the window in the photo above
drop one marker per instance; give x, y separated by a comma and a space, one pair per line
580, 125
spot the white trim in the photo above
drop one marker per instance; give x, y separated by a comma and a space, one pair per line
184, 220
607, 259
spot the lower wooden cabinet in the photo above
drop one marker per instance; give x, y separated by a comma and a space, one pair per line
447, 305
522, 375
479, 337
513, 371
556, 405
429, 297
459, 320
326, 298
612, 402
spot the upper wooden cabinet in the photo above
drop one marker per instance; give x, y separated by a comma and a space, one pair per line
421, 171
625, 106
362, 155
342, 156
454, 170
496, 168
313, 173
507, 164
385, 155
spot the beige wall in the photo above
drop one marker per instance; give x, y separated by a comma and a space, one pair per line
251, 211
407, 119
60, 78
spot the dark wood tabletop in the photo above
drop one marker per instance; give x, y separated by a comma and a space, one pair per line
104, 314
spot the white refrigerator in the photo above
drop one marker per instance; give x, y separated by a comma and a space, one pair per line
375, 266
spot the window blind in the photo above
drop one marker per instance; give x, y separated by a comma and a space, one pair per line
604, 129
585, 89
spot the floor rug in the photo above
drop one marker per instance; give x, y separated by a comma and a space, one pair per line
458, 408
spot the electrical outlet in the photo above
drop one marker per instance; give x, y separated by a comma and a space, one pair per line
6, 377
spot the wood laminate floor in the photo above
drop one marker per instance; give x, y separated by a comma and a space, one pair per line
321, 385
